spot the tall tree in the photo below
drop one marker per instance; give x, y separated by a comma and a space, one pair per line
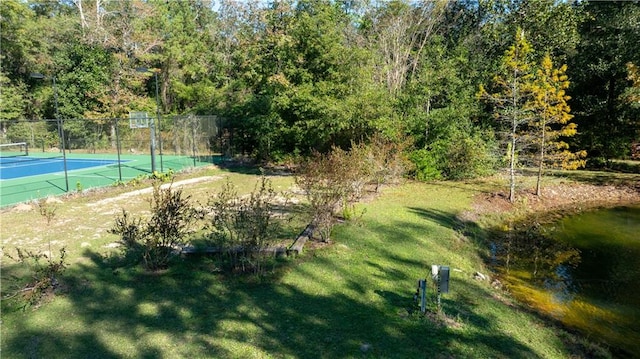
15, 20
610, 38
512, 101
548, 24
552, 121
12, 102
398, 32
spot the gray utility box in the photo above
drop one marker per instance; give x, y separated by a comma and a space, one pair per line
443, 279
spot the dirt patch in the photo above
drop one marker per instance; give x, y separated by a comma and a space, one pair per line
557, 197
149, 190
22, 207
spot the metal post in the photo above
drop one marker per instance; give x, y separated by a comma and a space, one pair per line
155, 74
423, 295
60, 124
61, 133
152, 127
152, 133
118, 150
193, 139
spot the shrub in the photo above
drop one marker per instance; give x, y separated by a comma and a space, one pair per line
323, 179
459, 157
425, 165
158, 238
466, 156
243, 227
333, 182
389, 160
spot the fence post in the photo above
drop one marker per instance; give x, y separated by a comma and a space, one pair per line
193, 138
64, 152
118, 149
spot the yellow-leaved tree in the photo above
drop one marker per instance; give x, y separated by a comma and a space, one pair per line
552, 122
511, 97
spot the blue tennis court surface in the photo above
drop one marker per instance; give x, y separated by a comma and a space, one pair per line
17, 167
25, 178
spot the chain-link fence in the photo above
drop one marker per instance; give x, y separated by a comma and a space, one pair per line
189, 135
173, 142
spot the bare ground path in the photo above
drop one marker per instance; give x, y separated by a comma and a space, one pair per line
81, 225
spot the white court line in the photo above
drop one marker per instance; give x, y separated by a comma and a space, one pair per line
39, 161
30, 163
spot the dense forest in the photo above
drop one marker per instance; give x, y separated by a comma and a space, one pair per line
467, 86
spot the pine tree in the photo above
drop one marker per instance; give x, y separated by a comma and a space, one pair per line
553, 120
512, 100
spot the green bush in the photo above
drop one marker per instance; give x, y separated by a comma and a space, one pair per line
331, 182
460, 157
466, 156
159, 238
425, 165
243, 227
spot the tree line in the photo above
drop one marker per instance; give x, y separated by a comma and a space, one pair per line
473, 85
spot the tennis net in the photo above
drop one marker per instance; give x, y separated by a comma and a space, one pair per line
8, 150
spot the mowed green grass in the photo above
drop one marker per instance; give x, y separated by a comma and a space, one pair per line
350, 299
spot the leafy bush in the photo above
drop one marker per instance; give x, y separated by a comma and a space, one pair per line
463, 156
425, 165
243, 227
159, 238
387, 159
333, 182
466, 156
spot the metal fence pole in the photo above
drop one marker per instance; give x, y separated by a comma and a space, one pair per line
193, 139
61, 133
160, 142
118, 150
155, 74
152, 133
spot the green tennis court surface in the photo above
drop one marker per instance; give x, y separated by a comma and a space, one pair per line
13, 191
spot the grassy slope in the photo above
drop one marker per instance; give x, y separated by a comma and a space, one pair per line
351, 299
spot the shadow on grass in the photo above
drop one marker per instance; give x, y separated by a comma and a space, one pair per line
191, 310
469, 229
205, 315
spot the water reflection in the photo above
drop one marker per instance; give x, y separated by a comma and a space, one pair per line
529, 254
561, 286
583, 270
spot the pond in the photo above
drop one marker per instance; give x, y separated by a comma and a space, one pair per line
582, 270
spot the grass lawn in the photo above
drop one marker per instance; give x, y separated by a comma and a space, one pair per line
350, 299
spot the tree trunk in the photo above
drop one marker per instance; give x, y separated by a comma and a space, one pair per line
512, 166
543, 135
514, 129
538, 187
114, 134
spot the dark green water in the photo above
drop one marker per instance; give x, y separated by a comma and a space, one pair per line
609, 244
583, 270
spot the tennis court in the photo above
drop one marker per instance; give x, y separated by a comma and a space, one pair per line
24, 178
31, 166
